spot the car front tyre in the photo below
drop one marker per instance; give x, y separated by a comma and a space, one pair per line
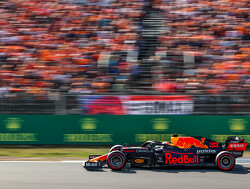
116, 160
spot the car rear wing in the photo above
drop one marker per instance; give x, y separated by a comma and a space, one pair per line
235, 145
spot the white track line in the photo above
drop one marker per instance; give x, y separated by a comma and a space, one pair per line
42, 161
242, 161
72, 161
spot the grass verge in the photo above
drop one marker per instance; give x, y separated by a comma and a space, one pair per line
57, 153
51, 151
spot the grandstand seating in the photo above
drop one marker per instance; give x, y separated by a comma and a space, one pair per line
56, 47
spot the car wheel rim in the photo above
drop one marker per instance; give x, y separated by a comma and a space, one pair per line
226, 162
116, 161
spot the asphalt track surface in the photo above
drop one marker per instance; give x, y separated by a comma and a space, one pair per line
71, 175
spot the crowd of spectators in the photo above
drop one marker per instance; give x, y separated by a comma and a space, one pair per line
73, 46
205, 47
91, 46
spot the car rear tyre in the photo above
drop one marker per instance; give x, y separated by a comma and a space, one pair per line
225, 161
116, 160
116, 147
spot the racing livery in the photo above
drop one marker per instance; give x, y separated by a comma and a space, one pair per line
181, 151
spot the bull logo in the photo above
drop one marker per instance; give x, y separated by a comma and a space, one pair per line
188, 142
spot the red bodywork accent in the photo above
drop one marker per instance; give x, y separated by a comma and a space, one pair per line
236, 146
103, 158
128, 151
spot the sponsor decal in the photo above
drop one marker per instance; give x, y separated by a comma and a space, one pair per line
213, 144
93, 156
237, 153
159, 107
236, 146
18, 137
92, 164
206, 152
160, 124
143, 151
88, 138
88, 125
14, 125
181, 158
187, 142
237, 125
139, 161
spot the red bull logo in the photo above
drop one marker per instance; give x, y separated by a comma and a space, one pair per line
181, 159
187, 142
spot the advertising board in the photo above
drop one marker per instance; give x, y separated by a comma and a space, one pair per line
118, 129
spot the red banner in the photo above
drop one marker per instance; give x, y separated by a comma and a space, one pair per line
137, 105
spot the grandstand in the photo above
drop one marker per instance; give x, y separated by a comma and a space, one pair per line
54, 52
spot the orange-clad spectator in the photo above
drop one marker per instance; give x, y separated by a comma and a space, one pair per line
60, 40
217, 33
46, 45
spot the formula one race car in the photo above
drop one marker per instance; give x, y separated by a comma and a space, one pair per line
182, 151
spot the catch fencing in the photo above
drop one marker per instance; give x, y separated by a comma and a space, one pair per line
75, 104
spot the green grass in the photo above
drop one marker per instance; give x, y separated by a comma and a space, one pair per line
52, 151
57, 152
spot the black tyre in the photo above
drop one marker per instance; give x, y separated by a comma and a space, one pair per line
116, 147
116, 160
225, 161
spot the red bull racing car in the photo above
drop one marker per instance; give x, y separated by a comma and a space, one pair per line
181, 151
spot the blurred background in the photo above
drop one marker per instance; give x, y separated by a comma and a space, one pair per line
112, 56
68, 66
